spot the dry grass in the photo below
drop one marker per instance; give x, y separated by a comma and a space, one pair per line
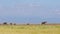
30, 29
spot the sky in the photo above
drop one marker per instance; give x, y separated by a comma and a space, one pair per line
30, 11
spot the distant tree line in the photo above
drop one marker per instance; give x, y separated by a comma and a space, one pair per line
5, 23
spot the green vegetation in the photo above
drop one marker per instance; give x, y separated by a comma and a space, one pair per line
29, 29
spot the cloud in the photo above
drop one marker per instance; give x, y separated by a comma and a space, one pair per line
57, 12
28, 9
34, 4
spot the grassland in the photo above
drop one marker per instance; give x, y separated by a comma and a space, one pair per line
29, 29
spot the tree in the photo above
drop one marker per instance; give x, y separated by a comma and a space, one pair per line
44, 22
5, 23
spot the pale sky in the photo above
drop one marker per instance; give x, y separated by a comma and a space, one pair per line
33, 11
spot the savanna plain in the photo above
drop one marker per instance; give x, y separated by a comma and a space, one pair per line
29, 29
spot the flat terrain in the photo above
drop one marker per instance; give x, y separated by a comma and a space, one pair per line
29, 29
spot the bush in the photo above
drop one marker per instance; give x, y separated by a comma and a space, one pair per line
10, 23
14, 23
28, 24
